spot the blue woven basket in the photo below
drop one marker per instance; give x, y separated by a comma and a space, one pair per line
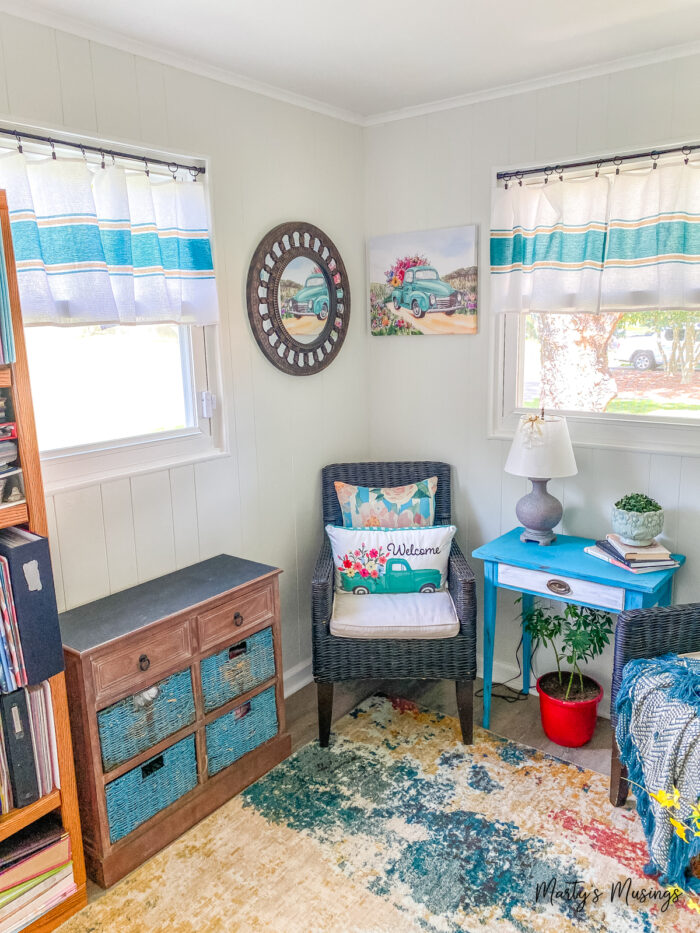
144, 791
238, 668
138, 722
240, 731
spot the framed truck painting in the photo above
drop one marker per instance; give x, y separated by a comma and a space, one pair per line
423, 282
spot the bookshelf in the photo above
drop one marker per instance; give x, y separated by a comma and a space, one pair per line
33, 512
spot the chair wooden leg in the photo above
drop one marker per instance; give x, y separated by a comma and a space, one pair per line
619, 785
324, 693
465, 707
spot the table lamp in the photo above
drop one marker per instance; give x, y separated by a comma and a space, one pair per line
541, 450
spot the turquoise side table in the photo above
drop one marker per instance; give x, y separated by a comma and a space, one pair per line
561, 571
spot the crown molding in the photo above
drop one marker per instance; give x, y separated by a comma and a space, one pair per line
117, 40
28, 11
536, 84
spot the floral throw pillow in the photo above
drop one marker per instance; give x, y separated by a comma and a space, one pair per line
390, 560
388, 507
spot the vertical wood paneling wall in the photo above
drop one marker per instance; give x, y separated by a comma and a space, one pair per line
269, 162
435, 171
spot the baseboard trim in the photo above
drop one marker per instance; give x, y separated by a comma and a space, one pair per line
297, 677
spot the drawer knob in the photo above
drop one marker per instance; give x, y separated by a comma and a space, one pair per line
559, 587
144, 662
237, 619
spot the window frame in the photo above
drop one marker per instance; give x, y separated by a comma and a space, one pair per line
588, 429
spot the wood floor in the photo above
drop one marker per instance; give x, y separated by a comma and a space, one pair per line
519, 721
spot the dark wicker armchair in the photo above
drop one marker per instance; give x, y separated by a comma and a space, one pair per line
647, 633
336, 659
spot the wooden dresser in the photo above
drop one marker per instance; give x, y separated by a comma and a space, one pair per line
176, 704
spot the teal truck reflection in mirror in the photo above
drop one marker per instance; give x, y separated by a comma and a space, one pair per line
311, 299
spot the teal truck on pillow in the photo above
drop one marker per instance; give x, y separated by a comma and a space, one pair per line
311, 299
396, 576
423, 291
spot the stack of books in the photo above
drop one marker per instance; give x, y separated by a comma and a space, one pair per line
630, 557
36, 872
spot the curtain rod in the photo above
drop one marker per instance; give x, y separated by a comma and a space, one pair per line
19, 135
559, 170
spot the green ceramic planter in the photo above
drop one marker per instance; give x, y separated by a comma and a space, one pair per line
637, 528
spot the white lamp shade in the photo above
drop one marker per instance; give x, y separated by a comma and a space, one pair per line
541, 449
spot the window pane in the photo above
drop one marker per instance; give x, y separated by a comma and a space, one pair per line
96, 384
639, 363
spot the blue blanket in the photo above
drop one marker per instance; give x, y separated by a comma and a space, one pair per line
658, 734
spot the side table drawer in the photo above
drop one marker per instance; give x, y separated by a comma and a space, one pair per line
548, 584
233, 618
135, 662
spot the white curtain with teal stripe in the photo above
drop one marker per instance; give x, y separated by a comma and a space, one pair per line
614, 243
108, 246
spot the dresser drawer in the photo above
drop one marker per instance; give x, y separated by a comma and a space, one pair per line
232, 619
144, 719
554, 585
237, 669
235, 734
136, 661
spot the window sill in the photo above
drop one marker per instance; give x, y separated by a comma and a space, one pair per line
57, 480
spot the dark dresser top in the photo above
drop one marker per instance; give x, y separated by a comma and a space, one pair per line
95, 623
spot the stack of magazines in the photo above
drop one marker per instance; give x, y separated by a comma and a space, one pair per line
631, 557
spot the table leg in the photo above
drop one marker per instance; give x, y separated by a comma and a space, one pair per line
490, 598
666, 594
526, 605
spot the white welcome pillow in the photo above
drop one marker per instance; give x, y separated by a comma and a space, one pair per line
390, 560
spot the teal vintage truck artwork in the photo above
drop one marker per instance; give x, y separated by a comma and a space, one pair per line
423, 291
311, 299
394, 576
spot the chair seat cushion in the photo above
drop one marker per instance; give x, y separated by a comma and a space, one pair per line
394, 615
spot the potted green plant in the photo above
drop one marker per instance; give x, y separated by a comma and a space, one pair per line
569, 699
637, 519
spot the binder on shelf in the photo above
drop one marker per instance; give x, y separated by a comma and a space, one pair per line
34, 599
19, 749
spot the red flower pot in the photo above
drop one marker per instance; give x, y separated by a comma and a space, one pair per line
570, 723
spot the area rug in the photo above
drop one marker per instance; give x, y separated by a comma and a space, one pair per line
399, 827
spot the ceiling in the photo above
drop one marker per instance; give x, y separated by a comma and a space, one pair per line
365, 59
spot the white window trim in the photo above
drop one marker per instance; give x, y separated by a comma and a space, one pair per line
617, 431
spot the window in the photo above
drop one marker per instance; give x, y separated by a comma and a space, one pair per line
116, 280
101, 400
629, 380
408, 277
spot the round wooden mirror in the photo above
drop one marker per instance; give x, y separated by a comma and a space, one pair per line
298, 298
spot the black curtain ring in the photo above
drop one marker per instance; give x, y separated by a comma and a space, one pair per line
172, 168
548, 170
506, 178
560, 172
82, 149
618, 162
194, 172
146, 168
53, 148
654, 156
114, 161
686, 150
519, 176
102, 155
597, 168
20, 147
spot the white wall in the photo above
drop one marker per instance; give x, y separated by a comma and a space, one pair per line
270, 162
435, 171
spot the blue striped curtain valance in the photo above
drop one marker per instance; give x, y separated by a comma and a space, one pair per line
106, 246
608, 244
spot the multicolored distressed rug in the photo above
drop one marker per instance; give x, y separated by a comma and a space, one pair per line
399, 827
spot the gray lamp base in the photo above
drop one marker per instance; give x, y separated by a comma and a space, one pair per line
539, 511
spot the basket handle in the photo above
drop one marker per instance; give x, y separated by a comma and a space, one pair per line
237, 650
242, 711
155, 764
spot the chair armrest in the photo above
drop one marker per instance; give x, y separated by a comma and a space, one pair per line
462, 587
649, 633
322, 589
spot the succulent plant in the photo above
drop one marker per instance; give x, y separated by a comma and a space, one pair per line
638, 502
